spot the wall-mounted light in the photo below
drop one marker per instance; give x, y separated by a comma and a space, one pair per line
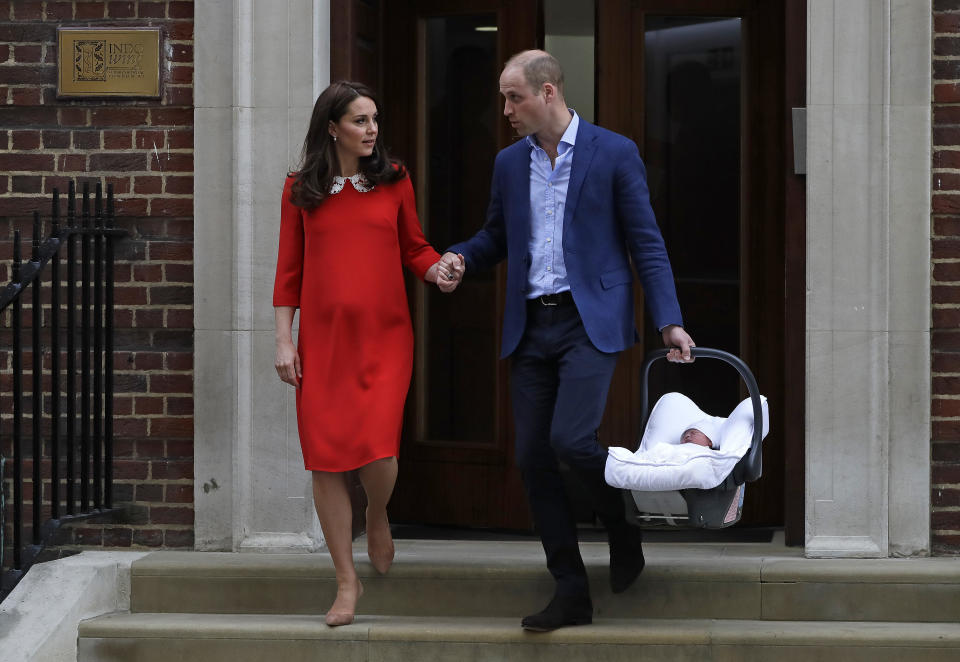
486, 28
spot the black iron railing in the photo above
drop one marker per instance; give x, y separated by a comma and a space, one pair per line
54, 437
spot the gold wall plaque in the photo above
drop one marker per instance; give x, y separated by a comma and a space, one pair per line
114, 62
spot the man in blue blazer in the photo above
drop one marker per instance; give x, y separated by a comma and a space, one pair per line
569, 208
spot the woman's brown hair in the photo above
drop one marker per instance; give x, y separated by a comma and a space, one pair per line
318, 159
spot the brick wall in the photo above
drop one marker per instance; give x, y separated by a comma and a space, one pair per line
145, 149
945, 291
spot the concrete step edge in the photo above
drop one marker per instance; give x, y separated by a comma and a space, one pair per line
507, 630
446, 559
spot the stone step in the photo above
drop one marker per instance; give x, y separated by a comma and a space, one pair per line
508, 579
296, 638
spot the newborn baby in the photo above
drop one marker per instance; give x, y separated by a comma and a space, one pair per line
695, 434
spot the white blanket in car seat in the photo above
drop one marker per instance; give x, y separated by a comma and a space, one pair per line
663, 463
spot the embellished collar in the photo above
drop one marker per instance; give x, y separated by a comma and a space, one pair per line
359, 182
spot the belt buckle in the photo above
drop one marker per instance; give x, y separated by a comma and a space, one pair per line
545, 302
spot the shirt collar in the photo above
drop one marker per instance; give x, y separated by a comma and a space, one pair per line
569, 137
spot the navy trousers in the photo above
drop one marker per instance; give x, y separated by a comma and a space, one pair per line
559, 384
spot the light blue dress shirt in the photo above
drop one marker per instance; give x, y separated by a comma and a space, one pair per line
548, 198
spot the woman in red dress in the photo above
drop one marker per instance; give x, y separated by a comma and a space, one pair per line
348, 226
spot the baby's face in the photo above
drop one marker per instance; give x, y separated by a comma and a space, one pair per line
694, 436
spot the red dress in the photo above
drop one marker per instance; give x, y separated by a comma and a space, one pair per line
341, 264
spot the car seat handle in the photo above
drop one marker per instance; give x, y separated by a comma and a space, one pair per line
750, 466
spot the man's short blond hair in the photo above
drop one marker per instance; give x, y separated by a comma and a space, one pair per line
539, 67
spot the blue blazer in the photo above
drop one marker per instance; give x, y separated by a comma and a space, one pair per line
607, 221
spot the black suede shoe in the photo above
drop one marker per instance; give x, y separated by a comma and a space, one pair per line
560, 612
626, 557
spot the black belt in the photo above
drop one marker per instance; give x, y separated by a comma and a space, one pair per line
558, 299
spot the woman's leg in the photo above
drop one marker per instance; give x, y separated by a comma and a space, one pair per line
332, 502
379, 478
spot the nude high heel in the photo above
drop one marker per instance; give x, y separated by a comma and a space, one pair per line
340, 616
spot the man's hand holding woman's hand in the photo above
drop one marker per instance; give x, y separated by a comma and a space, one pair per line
447, 272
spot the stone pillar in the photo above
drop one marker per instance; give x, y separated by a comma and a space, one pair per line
868, 283
259, 67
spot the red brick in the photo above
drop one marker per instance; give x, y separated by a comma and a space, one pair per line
149, 492
121, 185
944, 318
180, 30
57, 11
25, 162
148, 273
178, 273
118, 161
946, 362
122, 318
184, 406
171, 207
25, 11
29, 53
167, 162
151, 448
26, 96
117, 139
945, 452
117, 537
27, 184
171, 383
945, 519
172, 295
119, 116
88, 536
164, 250
121, 9
146, 406
171, 428
945, 93
148, 361
181, 75
179, 95
176, 117
87, 139
179, 185
181, 52
180, 139
177, 448
178, 538
25, 139
56, 139
131, 469
73, 116
72, 163
148, 537
152, 9
180, 228
130, 296
86, 10
122, 404
150, 139
144, 185
148, 318
173, 470
946, 385
945, 203
946, 22
946, 248
179, 494
28, 74
131, 206
945, 474
179, 318
179, 361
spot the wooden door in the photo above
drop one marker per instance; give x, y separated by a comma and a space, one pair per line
442, 61
702, 87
